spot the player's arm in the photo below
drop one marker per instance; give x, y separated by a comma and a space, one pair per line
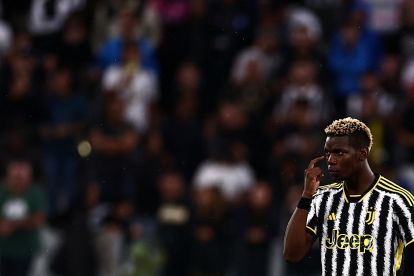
298, 240
34, 221
8, 227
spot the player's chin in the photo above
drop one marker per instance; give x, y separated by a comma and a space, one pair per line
336, 176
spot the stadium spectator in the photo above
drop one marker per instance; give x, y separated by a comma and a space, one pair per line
106, 24
111, 51
231, 29
182, 133
174, 218
401, 41
303, 85
20, 116
189, 82
251, 70
377, 108
257, 225
23, 214
66, 111
390, 74
136, 85
152, 160
212, 234
114, 143
227, 170
303, 43
73, 252
195, 33
111, 240
73, 48
351, 54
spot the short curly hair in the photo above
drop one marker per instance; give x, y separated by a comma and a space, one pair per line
360, 135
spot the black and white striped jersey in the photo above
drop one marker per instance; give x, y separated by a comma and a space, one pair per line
362, 234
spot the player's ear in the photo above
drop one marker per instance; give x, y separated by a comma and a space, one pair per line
363, 153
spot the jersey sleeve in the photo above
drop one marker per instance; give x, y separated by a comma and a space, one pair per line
405, 220
311, 223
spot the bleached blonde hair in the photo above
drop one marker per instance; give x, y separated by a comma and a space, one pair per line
351, 127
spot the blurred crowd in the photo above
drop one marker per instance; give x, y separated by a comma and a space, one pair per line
169, 137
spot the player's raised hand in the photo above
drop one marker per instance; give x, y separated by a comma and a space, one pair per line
313, 175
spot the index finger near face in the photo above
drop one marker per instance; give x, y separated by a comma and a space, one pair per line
314, 161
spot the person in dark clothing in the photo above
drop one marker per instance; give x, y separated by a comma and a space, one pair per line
174, 224
257, 225
113, 142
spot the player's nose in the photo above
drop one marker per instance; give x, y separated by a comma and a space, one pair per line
330, 159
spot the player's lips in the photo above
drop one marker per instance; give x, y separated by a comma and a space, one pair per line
333, 171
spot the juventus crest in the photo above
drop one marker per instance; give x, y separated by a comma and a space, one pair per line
370, 215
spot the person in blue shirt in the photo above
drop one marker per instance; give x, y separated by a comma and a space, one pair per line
111, 51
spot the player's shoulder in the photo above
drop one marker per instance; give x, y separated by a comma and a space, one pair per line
394, 190
329, 188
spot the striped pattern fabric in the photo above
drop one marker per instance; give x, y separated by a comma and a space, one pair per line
364, 234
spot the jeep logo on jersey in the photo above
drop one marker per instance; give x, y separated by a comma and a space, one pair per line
354, 241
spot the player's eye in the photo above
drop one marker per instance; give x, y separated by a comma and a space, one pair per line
338, 152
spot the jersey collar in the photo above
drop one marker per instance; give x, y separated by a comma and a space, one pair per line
359, 198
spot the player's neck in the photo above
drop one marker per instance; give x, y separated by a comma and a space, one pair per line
360, 181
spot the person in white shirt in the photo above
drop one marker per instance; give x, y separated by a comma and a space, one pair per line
233, 176
138, 86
